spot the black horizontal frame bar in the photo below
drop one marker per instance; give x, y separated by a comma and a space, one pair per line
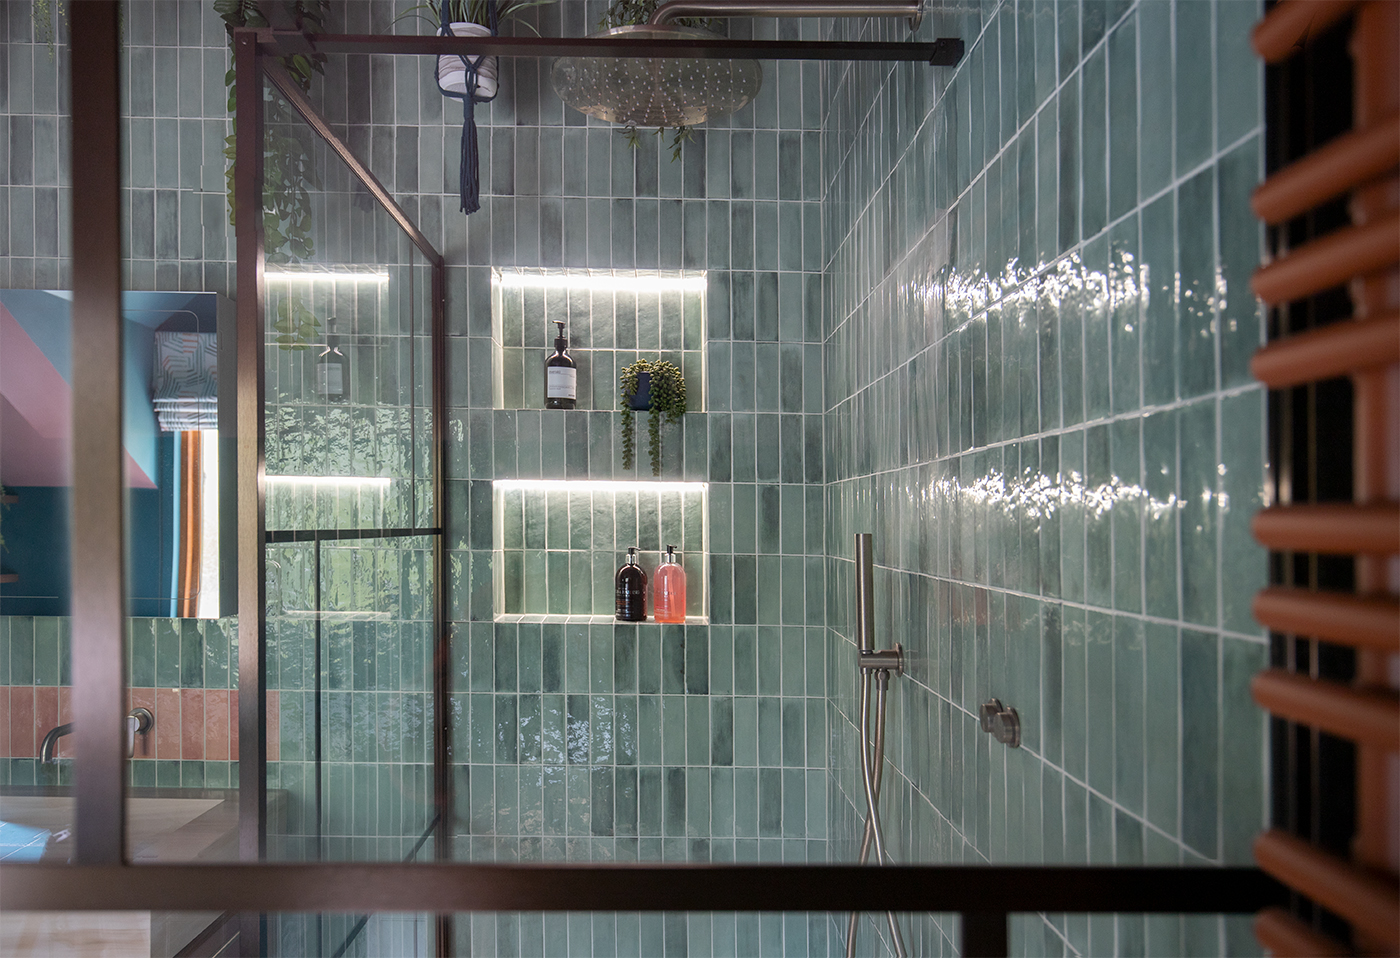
445, 888
325, 535
943, 52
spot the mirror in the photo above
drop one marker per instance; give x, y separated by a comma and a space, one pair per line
180, 442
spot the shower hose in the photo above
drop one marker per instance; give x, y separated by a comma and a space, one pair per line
872, 768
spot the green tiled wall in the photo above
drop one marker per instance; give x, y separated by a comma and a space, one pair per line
1038, 322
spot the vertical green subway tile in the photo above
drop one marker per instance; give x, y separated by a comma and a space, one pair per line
1241, 326
1197, 333
1094, 139
1200, 741
46, 650
1199, 478
1123, 121
1195, 113
1069, 153
1074, 674
1125, 438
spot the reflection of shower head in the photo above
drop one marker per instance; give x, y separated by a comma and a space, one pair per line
655, 91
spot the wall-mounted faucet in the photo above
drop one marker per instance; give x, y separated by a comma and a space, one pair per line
139, 721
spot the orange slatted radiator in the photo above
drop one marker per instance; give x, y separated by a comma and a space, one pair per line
1362, 167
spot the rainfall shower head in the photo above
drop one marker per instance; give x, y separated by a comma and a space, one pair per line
656, 91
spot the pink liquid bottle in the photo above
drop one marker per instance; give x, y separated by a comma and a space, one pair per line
669, 590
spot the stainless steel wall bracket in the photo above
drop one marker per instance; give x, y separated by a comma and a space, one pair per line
887, 660
1003, 723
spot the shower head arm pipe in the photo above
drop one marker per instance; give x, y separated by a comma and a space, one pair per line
674, 9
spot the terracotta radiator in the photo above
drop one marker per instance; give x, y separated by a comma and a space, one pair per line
1357, 891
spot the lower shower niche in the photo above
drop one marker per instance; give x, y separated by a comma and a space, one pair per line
558, 544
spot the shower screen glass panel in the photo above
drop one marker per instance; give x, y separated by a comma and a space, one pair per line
351, 524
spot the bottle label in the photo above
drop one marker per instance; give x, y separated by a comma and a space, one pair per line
561, 383
330, 379
631, 604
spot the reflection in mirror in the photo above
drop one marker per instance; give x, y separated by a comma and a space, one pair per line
179, 438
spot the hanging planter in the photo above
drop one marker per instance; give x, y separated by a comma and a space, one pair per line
452, 70
471, 79
656, 386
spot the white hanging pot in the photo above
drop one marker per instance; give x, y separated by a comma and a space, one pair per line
452, 72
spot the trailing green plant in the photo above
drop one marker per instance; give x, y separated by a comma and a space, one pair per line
296, 327
42, 14
667, 404
289, 173
472, 11
630, 13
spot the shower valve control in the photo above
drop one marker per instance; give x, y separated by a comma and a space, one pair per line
1003, 723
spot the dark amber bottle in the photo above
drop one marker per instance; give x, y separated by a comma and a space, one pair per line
631, 586
561, 375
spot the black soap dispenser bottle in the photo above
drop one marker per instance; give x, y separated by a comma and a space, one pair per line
631, 587
561, 375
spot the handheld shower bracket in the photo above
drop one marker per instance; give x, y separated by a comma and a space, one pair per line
886, 660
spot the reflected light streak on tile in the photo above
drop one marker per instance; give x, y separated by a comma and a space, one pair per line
1042, 495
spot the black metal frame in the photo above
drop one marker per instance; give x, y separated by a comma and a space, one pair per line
99, 533
943, 52
984, 895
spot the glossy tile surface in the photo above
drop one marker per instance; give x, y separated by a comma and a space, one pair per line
1036, 308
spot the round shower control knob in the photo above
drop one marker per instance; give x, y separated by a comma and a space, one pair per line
1001, 722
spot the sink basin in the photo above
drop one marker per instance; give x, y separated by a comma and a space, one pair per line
162, 825
157, 828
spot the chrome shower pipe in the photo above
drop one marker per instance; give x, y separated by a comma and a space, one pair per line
912, 9
874, 667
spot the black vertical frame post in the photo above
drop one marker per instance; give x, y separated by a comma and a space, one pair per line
252, 558
984, 934
442, 630
99, 536
317, 705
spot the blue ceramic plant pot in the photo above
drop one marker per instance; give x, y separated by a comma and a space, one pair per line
641, 399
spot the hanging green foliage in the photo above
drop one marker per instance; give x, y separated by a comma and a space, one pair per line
471, 11
296, 327
41, 14
289, 173
667, 404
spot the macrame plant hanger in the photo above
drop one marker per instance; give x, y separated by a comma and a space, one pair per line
470, 185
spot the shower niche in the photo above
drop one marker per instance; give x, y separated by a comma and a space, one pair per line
612, 318
558, 544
